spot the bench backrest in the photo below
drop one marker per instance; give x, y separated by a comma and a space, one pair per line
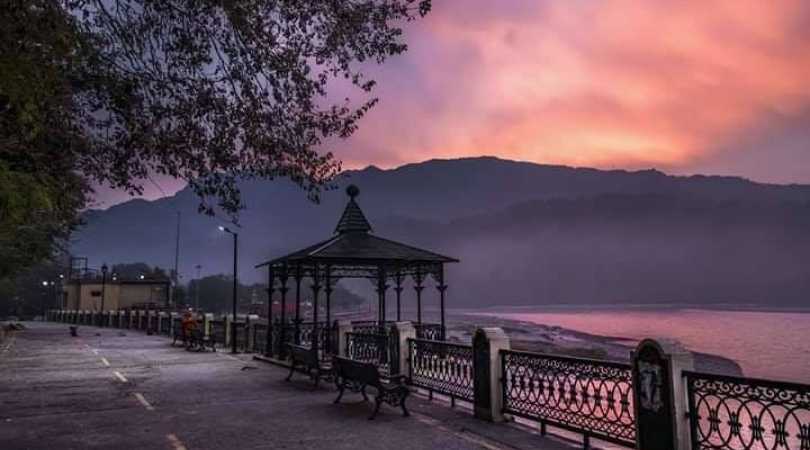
357, 370
301, 353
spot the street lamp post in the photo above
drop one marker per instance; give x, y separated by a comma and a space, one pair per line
103, 289
235, 283
197, 289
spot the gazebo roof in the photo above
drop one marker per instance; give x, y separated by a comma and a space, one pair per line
354, 244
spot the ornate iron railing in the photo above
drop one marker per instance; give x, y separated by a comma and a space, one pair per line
218, 331
429, 331
241, 330
305, 335
737, 413
165, 325
370, 348
370, 326
259, 338
442, 367
582, 395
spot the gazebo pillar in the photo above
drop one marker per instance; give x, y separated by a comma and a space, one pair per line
328, 291
316, 288
297, 304
398, 290
441, 287
382, 287
268, 350
283, 277
418, 279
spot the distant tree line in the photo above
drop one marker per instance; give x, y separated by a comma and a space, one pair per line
215, 293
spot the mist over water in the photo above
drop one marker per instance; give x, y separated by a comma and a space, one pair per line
766, 344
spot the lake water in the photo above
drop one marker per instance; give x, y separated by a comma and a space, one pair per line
766, 344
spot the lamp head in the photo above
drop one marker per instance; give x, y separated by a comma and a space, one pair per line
104, 268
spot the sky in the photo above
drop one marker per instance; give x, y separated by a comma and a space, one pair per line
717, 87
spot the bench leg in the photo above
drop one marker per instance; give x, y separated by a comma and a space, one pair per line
340, 393
292, 370
378, 400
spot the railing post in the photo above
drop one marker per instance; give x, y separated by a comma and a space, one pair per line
659, 394
228, 323
110, 314
250, 321
487, 386
401, 332
343, 327
172, 321
207, 319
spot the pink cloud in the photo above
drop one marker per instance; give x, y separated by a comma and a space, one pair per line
614, 83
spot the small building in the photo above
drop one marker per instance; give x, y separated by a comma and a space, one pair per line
86, 293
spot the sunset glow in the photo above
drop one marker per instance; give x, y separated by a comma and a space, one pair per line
667, 84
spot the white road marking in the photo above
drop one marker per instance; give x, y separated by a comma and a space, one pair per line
105, 362
120, 377
143, 401
95, 352
175, 441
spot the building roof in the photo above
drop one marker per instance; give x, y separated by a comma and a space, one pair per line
354, 243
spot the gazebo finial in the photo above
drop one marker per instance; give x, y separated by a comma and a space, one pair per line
352, 191
352, 219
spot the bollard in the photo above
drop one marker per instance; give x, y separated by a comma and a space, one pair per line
487, 387
207, 319
401, 332
252, 320
344, 326
659, 395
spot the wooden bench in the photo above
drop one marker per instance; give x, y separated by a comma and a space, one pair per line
199, 341
356, 376
196, 341
305, 357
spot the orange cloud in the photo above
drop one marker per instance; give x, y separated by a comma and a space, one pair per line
612, 83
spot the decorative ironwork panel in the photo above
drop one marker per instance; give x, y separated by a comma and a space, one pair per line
370, 348
737, 413
165, 326
259, 338
587, 396
241, 331
218, 331
370, 326
442, 367
428, 331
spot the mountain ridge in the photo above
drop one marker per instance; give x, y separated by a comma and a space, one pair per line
490, 202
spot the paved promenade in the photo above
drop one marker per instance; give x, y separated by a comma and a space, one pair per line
125, 390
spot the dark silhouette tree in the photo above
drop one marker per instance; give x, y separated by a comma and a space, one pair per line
113, 91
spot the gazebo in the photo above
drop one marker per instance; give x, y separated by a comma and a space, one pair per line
352, 252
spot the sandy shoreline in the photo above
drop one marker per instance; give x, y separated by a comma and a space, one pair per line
534, 337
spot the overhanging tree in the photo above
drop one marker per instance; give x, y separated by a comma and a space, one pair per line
112, 91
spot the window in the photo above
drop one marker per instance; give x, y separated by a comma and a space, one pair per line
95, 293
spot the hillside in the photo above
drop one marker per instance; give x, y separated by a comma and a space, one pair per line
526, 233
